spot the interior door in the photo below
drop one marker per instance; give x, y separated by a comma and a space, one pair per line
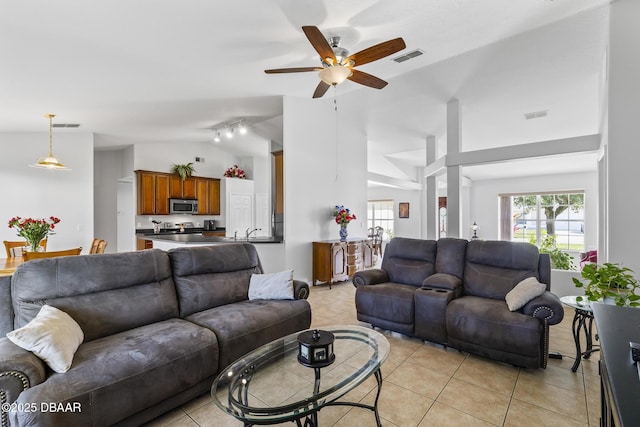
240, 215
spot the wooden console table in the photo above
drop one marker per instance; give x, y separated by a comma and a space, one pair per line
619, 376
336, 261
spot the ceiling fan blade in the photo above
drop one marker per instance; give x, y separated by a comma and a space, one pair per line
367, 79
321, 89
319, 42
378, 51
292, 70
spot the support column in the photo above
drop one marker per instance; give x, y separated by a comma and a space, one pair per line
454, 175
431, 189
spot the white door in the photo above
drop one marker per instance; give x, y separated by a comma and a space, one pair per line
240, 215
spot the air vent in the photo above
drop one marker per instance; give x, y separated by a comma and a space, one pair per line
408, 56
535, 114
66, 125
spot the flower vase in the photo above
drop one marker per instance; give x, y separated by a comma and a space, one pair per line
343, 233
34, 245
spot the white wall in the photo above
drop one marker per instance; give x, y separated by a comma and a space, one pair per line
623, 149
320, 172
484, 200
402, 227
39, 193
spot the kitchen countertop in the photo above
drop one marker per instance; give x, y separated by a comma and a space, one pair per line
196, 237
193, 230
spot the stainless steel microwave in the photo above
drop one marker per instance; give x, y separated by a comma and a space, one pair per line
183, 206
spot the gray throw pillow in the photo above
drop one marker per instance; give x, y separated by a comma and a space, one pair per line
524, 292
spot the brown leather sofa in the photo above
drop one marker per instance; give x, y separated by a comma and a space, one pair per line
452, 291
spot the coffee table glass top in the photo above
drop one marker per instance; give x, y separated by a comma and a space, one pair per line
269, 385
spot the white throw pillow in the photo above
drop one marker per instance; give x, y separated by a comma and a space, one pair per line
524, 292
52, 335
271, 286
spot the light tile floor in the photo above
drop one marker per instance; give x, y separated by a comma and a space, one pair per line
428, 385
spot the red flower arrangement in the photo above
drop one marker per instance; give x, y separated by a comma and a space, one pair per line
235, 172
343, 215
34, 230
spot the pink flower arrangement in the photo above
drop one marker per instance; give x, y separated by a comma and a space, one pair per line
343, 215
34, 230
235, 172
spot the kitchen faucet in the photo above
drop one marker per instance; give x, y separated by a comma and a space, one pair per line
248, 233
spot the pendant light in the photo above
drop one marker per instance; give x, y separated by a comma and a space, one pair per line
49, 162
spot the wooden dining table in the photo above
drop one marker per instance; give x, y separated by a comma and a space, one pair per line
9, 265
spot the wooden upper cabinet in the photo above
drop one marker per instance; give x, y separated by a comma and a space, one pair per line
156, 188
278, 158
146, 193
189, 188
162, 194
175, 186
214, 196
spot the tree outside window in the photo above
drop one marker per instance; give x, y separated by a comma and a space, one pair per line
549, 219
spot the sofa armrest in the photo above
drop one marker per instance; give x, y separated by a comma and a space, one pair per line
370, 277
546, 306
19, 370
300, 289
444, 281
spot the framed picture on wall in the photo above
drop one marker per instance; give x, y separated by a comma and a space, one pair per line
403, 210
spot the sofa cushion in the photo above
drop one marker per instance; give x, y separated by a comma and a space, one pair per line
271, 286
211, 276
246, 325
409, 261
117, 376
450, 256
524, 292
388, 301
52, 335
96, 290
493, 268
488, 323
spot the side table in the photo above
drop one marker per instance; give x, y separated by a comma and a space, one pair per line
582, 320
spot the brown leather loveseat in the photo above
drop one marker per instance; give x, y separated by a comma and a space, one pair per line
453, 292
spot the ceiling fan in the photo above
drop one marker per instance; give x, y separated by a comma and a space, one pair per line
338, 65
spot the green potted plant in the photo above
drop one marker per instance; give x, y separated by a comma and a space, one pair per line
560, 260
609, 282
184, 171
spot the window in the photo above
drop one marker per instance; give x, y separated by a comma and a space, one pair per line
546, 219
380, 214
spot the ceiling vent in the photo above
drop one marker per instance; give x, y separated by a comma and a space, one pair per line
66, 125
535, 114
408, 56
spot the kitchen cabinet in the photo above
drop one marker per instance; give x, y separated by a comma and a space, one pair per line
335, 261
142, 244
155, 189
153, 193
208, 195
278, 165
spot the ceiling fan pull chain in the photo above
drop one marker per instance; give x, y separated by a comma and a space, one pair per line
335, 108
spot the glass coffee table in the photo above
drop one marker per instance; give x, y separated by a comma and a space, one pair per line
270, 386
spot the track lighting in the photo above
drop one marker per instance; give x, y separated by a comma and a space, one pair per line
216, 138
229, 133
242, 129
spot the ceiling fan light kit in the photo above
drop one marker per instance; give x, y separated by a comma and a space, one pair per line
335, 74
50, 162
338, 65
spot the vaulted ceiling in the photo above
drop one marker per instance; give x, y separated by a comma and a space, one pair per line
165, 70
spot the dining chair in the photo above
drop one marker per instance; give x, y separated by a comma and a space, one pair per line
97, 246
377, 240
17, 248
51, 254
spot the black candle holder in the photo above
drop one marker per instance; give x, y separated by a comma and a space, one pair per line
315, 348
